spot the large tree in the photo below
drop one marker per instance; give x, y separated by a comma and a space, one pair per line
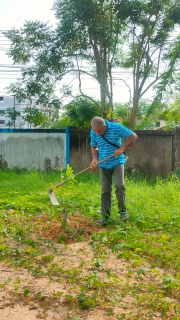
151, 55
90, 31
87, 30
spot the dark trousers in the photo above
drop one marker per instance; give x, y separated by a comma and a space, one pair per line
106, 178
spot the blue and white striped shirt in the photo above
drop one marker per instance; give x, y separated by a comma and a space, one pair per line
114, 133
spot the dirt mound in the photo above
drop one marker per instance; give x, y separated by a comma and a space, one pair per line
75, 229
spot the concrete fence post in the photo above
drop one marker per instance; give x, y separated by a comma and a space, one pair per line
177, 150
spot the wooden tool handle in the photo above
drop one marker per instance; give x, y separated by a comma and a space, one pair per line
85, 170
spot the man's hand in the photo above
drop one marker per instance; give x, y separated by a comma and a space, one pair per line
93, 164
119, 151
132, 138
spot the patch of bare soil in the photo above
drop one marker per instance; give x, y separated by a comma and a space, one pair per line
115, 287
76, 228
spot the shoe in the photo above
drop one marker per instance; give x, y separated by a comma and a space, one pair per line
102, 222
124, 217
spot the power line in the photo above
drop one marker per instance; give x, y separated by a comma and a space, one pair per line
12, 71
8, 78
13, 66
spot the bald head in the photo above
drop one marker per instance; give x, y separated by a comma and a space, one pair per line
98, 121
99, 125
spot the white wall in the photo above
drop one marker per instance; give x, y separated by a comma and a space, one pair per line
33, 150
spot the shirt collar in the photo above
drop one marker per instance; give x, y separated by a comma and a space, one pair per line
108, 125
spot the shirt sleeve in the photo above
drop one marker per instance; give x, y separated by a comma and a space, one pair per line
93, 142
125, 132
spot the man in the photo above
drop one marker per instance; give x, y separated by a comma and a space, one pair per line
106, 140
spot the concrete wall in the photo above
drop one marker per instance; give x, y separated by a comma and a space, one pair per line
80, 151
155, 153
177, 149
33, 150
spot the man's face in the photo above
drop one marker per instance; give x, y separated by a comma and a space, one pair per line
98, 130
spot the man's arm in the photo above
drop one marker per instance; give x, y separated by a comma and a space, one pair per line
94, 152
132, 138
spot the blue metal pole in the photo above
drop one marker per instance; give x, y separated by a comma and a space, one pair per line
67, 146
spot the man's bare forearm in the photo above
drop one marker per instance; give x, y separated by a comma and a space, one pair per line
130, 140
94, 152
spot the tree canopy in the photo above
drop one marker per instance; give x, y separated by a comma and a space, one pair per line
106, 34
151, 54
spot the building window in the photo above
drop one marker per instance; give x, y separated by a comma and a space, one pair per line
2, 121
1, 99
2, 112
158, 124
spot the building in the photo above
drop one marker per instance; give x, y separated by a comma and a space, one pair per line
10, 101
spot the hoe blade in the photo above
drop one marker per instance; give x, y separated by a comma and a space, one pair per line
53, 198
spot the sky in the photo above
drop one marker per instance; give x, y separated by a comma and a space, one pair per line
14, 13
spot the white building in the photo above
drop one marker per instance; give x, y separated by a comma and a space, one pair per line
10, 101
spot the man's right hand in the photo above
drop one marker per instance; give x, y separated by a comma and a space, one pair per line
93, 164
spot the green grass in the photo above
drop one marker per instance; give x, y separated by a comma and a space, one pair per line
153, 206
151, 235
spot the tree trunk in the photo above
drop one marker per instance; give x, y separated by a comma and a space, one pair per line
134, 111
110, 90
103, 100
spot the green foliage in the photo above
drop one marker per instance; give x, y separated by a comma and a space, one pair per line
13, 114
149, 112
122, 111
26, 292
85, 301
81, 111
151, 25
33, 116
33, 90
67, 174
172, 115
62, 123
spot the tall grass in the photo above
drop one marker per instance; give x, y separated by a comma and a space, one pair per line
154, 199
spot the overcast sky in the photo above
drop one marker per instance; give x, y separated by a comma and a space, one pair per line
13, 14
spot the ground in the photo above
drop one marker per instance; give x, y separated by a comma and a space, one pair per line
78, 278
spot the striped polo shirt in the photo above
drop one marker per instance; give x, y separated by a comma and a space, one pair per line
114, 133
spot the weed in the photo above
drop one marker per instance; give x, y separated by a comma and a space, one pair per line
85, 301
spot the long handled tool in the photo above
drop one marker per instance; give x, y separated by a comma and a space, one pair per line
51, 192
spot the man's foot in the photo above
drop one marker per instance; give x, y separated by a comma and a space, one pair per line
102, 222
124, 217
